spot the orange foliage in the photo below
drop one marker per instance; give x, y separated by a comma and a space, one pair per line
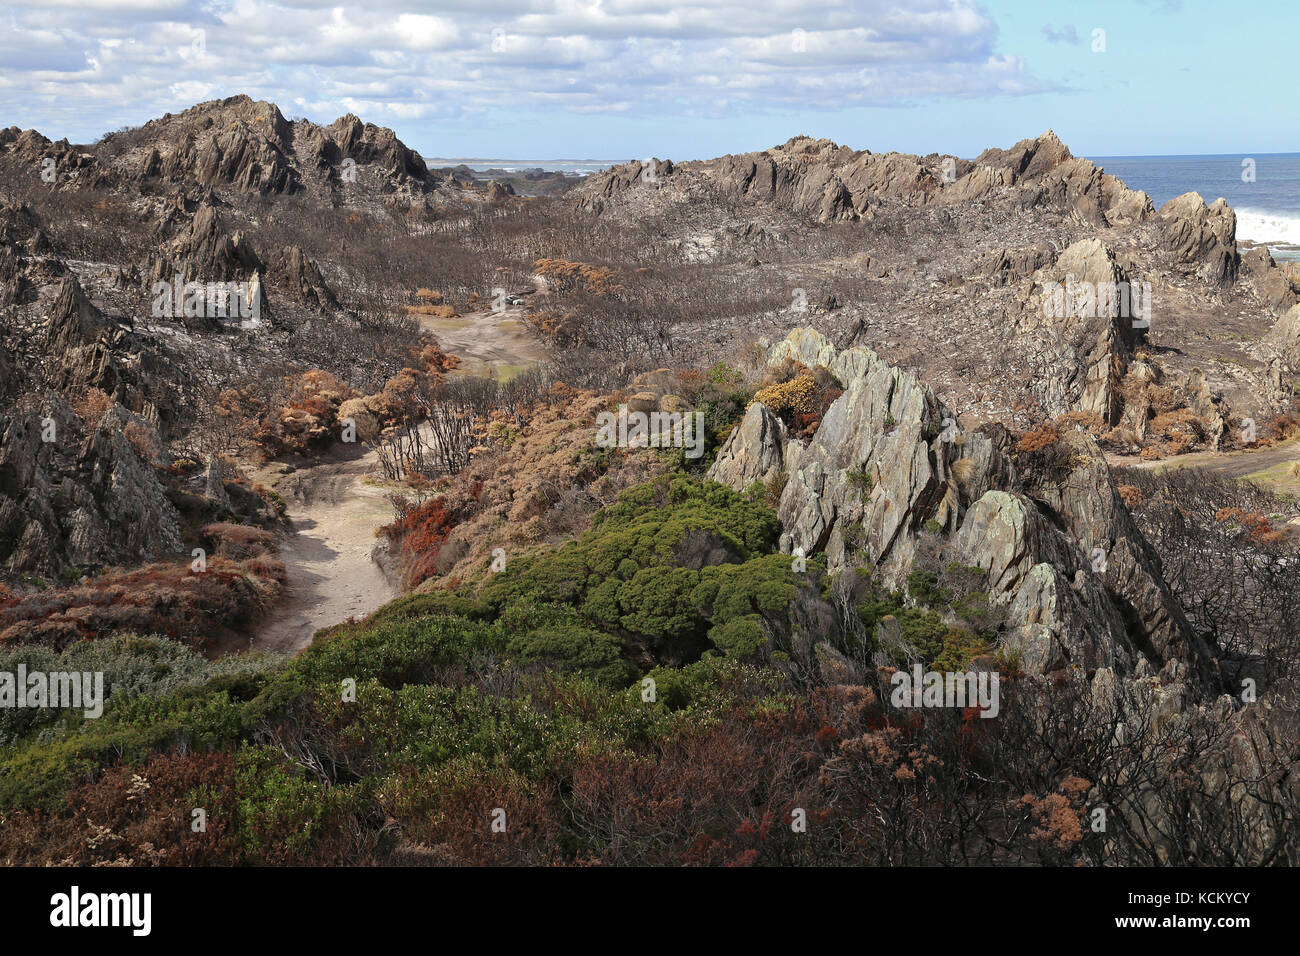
566, 275
1256, 525
436, 311
143, 440
1044, 436
90, 408
306, 421
1181, 428
1131, 495
1090, 422
435, 359
561, 326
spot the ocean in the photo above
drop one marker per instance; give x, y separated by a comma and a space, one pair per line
1267, 208
574, 167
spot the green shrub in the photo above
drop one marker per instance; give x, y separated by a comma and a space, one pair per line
571, 648
742, 637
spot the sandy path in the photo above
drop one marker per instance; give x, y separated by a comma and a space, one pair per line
331, 574
1231, 464
488, 340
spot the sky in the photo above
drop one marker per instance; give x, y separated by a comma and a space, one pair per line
624, 79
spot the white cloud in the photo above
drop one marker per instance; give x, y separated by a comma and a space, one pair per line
126, 60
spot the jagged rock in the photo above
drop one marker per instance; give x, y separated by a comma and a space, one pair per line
210, 254
1009, 266
304, 279
1029, 157
12, 281
1084, 332
980, 182
88, 504
1124, 206
151, 165
754, 451
236, 142
887, 461
1284, 339
248, 145
831, 183
1205, 404
1203, 235
1085, 503
1277, 286
213, 487
378, 146
74, 321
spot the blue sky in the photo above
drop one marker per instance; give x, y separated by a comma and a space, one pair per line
617, 79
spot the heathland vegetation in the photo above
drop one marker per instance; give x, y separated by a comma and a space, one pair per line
631, 654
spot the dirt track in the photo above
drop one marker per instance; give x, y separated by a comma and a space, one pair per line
487, 340
1231, 464
331, 574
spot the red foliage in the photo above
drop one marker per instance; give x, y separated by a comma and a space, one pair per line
420, 535
135, 815
169, 599
807, 423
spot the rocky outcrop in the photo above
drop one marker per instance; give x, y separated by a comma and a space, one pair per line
210, 254
1049, 174
378, 146
830, 183
1124, 206
754, 451
236, 142
1085, 315
1207, 407
1278, 286
83, 498
1283, 340
1083, 502
302, 278
1205, 236
499, 192
616, 180
1080, 585
247, 145
1009, 266
74, 321
59, 164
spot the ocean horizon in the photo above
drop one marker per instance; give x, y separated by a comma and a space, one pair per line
581, 167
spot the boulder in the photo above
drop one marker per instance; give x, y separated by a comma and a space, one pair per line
1205, 236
